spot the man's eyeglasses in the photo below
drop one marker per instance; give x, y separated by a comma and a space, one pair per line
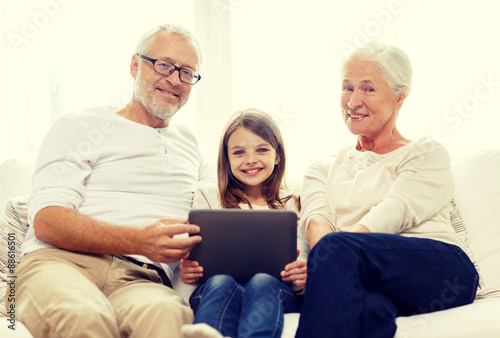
186, 75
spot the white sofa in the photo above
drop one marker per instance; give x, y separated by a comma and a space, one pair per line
477, 196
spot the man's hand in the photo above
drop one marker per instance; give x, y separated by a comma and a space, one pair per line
70, 230
191, 271
158, 242
295, 272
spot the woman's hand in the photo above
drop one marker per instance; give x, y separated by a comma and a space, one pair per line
361, 228
191, 271
317, 229
295, 272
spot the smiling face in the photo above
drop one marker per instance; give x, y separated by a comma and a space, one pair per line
252, 159
368, 105
158, 94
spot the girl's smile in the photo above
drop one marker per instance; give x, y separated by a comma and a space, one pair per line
252, 172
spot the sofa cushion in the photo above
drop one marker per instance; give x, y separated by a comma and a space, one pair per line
458, 225
15, 179
13, 227
478, 197
479, 319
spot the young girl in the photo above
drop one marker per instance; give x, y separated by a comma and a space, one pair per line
251, 168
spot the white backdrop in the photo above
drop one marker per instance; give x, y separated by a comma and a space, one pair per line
281, 56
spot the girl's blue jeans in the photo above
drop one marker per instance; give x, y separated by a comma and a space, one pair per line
358, 284
255, 309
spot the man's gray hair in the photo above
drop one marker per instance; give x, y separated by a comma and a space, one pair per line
145, 42
392, 61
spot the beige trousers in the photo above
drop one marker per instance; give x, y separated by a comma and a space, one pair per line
66, 294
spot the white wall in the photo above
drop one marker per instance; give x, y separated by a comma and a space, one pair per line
65, 55
279, 55
453, 47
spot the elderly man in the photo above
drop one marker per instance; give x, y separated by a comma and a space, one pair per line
99, 254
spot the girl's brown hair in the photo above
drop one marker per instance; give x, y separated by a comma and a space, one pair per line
231, 189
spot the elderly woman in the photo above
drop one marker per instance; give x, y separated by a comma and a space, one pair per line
378, 214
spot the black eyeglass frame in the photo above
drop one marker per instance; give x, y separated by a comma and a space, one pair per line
153, 61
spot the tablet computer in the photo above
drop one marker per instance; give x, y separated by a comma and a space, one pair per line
241, 243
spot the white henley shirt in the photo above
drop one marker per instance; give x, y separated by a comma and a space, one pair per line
115, 170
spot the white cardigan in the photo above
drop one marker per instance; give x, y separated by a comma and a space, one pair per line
406, 192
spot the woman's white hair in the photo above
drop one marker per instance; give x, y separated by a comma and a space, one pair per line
145, 42
392, 61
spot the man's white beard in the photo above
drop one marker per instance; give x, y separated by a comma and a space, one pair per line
146, 96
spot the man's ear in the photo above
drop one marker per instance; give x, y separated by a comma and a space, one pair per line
134, 66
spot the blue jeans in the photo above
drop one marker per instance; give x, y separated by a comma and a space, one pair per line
254, 310
358, 284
